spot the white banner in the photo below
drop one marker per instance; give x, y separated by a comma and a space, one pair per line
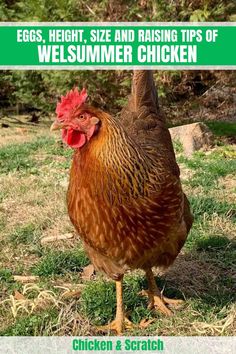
166, 345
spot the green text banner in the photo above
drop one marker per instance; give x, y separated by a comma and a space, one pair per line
118, 45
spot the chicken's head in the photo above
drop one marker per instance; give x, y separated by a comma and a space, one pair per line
77, 124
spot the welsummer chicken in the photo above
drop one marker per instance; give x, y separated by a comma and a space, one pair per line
125, 197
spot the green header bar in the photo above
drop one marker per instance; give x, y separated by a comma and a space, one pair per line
114, 45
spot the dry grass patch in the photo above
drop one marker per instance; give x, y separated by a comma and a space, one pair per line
22, 133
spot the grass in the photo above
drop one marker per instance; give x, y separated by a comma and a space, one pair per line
208, 169
17, 157
58, 262
208, 205
5, 275
25, 234
23, 157
33, 183
32, 325
222, 128
103, 309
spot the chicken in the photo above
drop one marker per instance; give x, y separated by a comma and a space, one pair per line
125, 197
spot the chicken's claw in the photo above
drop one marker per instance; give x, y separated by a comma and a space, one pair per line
159, 302
117, 326
144, 323
173, 302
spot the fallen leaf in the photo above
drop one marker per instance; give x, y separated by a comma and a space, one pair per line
88, 272
18, 295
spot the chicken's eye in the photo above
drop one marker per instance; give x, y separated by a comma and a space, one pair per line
81, 116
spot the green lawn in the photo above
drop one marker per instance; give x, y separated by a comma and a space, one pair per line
33, 183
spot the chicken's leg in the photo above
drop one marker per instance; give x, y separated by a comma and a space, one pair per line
156, 300
120, 322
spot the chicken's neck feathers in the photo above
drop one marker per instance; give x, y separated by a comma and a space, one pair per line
114, 163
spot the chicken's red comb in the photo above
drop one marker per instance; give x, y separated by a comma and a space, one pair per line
72, 99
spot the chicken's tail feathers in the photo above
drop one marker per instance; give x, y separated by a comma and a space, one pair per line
144, 92
143, 98
143, 119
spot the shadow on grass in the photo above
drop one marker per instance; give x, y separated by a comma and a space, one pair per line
203, 276
207, 273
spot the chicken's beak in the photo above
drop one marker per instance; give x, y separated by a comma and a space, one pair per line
56, 126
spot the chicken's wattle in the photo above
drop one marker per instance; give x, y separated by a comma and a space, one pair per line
73, 138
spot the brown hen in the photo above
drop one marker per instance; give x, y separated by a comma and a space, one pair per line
125, 197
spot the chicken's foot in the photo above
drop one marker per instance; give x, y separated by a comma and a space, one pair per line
156, 299
117, 326
120, 322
